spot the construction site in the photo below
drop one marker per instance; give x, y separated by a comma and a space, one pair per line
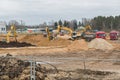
81, 55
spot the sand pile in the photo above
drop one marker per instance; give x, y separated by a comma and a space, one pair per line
78, 45
101, 44
39, 40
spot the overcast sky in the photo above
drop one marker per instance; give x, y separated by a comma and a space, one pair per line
38, 11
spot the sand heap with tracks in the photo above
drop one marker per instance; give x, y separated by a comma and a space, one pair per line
101, 44
39, 40
78, 45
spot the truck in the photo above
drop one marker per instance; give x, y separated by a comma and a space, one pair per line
101, 34
114, 35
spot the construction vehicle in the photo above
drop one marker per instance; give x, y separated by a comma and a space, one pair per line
72, 33
11, 33
114, 35
87, 33
49, 35
101, 34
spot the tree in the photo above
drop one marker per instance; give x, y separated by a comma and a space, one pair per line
74, 24
99, 22
13, 22
86, 21
66, 23
60, 22
79, 23
55, 25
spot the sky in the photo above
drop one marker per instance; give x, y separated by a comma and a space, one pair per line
34, 12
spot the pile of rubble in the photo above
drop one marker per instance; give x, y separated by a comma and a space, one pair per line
16, 69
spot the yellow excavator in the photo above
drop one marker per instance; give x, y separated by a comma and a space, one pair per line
49, 35
59, 28
12, 33
87, 33
72, 33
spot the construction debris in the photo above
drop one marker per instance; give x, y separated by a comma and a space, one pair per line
15, 69
101, 44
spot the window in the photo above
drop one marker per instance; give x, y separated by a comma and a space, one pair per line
2, 29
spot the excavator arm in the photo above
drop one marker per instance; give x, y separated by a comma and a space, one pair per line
88, 27
87, 34
73, 34
64, 28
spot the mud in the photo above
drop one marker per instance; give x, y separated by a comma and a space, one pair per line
14, 44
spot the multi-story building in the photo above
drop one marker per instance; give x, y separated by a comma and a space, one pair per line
3, 27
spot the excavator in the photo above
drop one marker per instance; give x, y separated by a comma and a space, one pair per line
49, 35
72, 33
13, 33
87, 33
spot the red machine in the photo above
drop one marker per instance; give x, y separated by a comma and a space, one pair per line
114, 35
101, 34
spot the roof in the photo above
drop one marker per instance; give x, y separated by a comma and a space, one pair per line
114, 31
100, 32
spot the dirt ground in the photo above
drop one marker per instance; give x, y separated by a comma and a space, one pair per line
69, 56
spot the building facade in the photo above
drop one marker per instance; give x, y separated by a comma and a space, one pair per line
3, 27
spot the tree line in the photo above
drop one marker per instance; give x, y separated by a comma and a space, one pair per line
97, 23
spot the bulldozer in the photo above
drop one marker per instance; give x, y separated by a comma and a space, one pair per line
11, 33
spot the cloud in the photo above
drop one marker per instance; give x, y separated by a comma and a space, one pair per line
35, 11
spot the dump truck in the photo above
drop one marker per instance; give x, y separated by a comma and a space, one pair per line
101, 34
114, 35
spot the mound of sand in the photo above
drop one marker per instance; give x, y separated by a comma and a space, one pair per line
39, 40
101, 44
78, 45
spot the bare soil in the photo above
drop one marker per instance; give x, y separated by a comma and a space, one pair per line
71, 58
